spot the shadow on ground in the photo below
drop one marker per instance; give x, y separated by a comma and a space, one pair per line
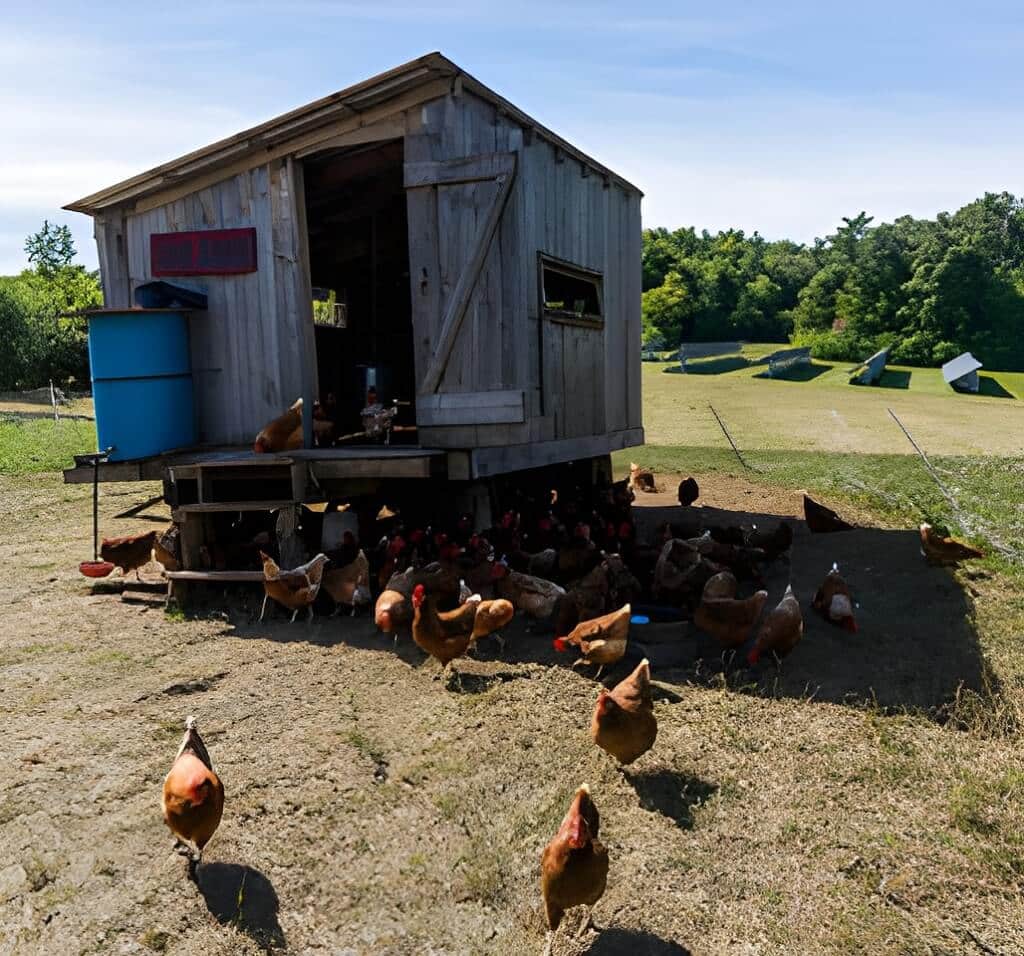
243, 897
798, 373
712, 366
672, 794
894, 378
616, 942
992, 388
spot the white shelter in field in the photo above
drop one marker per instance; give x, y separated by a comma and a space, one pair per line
962, 372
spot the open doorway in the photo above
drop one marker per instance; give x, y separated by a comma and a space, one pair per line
359, 267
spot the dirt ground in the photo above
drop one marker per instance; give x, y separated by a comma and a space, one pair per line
373, 809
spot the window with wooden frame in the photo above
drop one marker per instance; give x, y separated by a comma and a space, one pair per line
570, 293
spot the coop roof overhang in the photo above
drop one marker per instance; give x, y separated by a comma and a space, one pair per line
432, 75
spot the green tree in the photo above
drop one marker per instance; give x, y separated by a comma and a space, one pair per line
51, 249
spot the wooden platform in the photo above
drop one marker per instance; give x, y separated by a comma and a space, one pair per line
364, 461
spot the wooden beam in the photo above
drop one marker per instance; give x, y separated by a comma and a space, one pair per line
452, 172
456, 311
471, 408
151, 196
371, 133
502, 459
214, 576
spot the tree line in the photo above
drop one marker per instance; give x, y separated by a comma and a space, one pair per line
928, 288
42, 339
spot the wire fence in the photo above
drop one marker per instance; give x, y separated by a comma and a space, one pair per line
48, 401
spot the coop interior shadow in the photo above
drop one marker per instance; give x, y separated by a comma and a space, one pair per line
244, 897
798, 373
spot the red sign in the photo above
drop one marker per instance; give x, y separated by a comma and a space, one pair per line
205, 252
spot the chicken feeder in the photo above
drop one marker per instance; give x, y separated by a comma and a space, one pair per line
141, 381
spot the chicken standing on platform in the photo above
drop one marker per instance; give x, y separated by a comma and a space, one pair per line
284, 433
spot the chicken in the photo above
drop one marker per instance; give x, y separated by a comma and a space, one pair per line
721, 585
282, 434
780, 631
834, 601
821, 519
729, 620
444, 635
295, 589
578, 556
574, 865
130, 552
676, 560
623, 586
491, 617
688, 492
167, 548
393, 611
945, 551
193, 797
601, 641
641, 479
533, 596
349, 585
624, 724
774, 543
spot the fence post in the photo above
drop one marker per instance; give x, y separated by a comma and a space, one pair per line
53, 401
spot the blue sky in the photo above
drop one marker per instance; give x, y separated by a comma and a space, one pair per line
780, 117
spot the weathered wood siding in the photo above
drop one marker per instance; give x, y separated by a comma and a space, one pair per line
250, 347
577, 381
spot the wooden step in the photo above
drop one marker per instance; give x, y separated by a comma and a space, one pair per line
216, 506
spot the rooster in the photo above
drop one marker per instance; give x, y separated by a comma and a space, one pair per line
940, 550
193, 797
574, 865
295, 589
624, 724
834, 601
284, 433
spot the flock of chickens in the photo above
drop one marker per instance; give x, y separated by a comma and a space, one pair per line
582, 579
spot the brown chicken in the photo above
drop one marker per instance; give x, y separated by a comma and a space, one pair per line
624, 724
946, 551
721, 585
393, 611
193, 797
349, 586
533, 596
729, 620
641, 479
834, 601
444, 635
574, 865
676, 561
781, 630
601, 641
282, 434
773, 543
167, 548
296, 589
130, 552
822, 520
491, 617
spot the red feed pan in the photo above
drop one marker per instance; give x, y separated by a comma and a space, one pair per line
96, 569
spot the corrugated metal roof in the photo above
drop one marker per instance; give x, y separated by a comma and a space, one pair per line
959, 367
322, 112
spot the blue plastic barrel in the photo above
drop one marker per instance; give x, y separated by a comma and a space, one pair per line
141, 381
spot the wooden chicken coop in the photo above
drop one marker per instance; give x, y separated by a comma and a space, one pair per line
416, 233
